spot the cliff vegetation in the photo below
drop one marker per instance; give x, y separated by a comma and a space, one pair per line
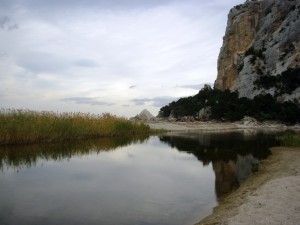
214, 104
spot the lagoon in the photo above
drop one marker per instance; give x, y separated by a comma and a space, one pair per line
171, 179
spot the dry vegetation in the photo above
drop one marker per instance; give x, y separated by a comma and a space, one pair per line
25, 126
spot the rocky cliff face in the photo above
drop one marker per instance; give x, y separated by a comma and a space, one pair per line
262, 40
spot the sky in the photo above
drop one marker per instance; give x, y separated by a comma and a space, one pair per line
115, 56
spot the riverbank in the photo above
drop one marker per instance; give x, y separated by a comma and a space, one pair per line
271, 196
220, 126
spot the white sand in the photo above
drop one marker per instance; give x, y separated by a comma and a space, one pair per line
276, 202
194, 126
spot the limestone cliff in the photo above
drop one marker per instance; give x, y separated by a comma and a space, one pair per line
262, 39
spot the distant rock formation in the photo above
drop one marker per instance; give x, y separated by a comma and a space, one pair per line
262, 39
145, 115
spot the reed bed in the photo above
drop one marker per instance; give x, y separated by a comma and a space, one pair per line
26, 126
290, 139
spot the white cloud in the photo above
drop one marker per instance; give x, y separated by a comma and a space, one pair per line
106, 52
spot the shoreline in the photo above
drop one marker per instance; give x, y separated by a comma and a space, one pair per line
211, 126
270, 196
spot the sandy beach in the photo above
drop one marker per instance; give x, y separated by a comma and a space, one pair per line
270, 196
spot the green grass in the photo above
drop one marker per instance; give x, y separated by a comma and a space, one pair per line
290, 139
25, 126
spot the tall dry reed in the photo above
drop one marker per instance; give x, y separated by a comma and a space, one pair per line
26, 126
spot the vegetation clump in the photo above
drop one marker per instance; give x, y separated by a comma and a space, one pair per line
290, 139
227, 106
25, 126
285, 83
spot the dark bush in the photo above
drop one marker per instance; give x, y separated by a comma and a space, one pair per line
285, 83
227, 106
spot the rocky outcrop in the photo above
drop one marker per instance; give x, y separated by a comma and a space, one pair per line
145, 115
262, 39
204, 113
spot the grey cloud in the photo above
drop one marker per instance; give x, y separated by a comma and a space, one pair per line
194, 86
141, 101
7, 24
54, 9
98, 4
13, 27
42, 62
2, 94
85, 63
5, 3
4, 21
106, 4
3, 55
132, 86
85, 100
157, 101
162, 101
48, 62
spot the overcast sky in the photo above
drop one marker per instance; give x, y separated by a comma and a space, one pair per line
117, 56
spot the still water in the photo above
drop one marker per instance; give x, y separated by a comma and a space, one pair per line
159, 180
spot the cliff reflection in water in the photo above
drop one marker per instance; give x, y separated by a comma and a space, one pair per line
234, 156
17, 157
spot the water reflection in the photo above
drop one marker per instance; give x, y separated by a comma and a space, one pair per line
230, 174
18, 156
234, 156
158, 180
146, 182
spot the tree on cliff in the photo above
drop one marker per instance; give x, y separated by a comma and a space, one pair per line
227, 106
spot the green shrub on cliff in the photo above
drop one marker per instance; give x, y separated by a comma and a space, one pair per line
227, 106
285, 83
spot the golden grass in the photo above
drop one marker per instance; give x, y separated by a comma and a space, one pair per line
25, 126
